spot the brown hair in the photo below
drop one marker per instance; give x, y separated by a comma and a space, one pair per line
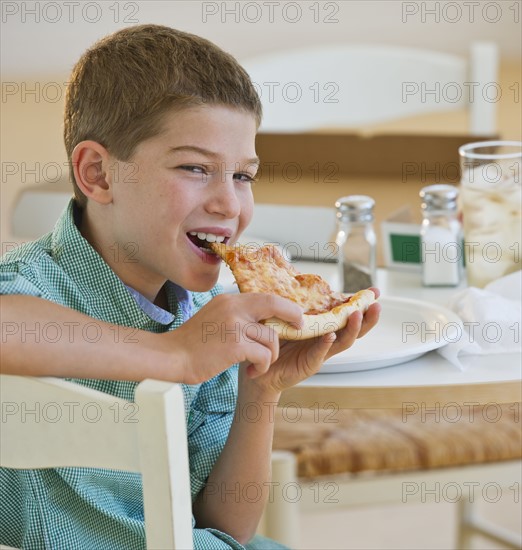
122, 86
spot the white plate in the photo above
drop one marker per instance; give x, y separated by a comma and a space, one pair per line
406, 330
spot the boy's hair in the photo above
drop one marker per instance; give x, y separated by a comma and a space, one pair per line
121, 88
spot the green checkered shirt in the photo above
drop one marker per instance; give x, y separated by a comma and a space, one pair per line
91, 509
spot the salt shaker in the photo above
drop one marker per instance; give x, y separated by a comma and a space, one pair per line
441, 236
356, 242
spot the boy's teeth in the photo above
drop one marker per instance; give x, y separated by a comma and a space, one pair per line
210, 237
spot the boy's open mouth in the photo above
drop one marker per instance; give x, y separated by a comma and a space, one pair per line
203, 240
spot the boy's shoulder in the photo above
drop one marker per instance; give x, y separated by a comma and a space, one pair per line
28, 268
27, 253
45, 267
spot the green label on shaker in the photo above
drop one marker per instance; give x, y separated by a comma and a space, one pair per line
405, 248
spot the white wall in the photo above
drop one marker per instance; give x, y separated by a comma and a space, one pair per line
48, 37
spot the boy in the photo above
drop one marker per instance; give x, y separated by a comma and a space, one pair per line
159, 130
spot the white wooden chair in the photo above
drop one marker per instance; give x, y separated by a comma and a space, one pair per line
152, 442
283, 515
347, 85
453, 481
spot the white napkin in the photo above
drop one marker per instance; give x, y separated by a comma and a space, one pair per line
491, 317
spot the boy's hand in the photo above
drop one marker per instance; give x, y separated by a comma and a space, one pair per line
300, 360
227, 331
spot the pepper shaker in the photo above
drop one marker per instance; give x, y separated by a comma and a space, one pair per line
441, 236
356, 242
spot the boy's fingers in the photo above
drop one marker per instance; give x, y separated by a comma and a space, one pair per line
347, 336
256, 332
264, 306
260, 359
371, 317
254, 370
376, 291
322, 346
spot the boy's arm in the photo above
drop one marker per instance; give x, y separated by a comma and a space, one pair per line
239, 483
41, 338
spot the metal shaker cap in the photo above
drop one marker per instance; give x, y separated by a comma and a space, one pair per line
439, 197
355, 208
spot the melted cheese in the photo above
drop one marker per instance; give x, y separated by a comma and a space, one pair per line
265, 270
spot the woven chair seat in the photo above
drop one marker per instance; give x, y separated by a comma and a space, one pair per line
328, 442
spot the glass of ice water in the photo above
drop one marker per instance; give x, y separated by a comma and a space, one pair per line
490, 203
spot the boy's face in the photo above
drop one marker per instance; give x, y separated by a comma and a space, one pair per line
194, 177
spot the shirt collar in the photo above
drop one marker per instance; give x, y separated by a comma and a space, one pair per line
182, 298
155, 312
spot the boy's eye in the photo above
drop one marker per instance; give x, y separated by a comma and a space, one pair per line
193, 169
245, 178
242, 177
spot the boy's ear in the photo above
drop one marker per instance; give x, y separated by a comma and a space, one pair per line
90, 161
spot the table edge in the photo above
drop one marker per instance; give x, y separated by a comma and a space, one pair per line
399, 397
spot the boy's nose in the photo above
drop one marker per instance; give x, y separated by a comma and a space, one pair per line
224, 199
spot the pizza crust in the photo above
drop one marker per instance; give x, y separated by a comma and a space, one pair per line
265, 270
323, 323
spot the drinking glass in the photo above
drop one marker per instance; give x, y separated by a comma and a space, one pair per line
490, 203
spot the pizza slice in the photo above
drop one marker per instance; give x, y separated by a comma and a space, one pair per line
264, 269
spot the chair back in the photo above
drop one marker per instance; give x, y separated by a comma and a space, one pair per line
51, 423
338, 86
